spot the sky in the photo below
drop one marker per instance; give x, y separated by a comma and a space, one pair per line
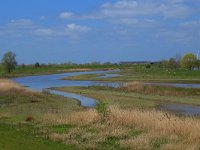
80, 31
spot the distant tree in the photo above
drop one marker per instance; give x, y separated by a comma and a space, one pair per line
172, 63
189, 61
37, 65
9, 62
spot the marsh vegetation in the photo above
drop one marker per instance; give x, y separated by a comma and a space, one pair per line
126, 117
53, 121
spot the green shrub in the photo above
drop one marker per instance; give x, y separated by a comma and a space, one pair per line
102, 109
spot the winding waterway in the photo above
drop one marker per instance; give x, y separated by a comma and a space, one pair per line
42, 82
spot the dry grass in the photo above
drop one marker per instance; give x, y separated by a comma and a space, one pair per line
4, 115
141, 87
82, 117
179, 147
158, 121
12, 87
56, 137
159, 129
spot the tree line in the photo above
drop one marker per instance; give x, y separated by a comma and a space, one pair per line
188, 61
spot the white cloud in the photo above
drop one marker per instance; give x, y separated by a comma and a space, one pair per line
76, 28
45, 32
142, 23
143, 13
71, 31
25, 27
16, 28
21, 23
145, 8
66, 15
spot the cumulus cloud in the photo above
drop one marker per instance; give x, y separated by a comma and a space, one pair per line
76, 28
66, 15
166, 15
25, 27
70, 30
143, 13
145, 8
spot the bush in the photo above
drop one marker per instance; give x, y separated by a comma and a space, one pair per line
189, 61
148, 66
102, 109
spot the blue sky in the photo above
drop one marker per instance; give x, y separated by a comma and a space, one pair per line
98, 30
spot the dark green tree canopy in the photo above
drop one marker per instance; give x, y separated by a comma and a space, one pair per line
9, 62
37, 65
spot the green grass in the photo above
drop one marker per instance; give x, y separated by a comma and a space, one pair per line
124, 99
161, 75
83, 77
19, 133
15, 139
22, 105
158, 142
154, 74
135, 133
32, 120
61, 128
55, 68
20, 115
129, 72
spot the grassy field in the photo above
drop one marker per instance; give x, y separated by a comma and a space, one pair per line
126, 118
129, 72
153, 74
56, 68
20, 114
130, 98
15, 138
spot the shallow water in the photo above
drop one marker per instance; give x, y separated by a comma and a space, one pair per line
182, 109
183, 85
42, 82
85, 101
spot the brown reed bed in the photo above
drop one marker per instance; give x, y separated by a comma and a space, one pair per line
9, 87
143, 88
157, 129
80, 117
